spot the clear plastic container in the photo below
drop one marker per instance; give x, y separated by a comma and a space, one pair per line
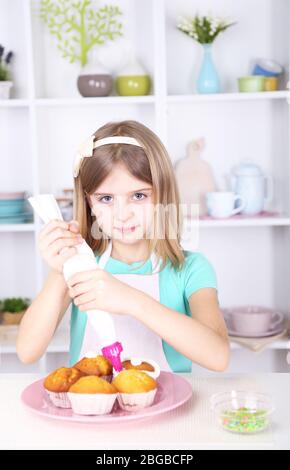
243, 412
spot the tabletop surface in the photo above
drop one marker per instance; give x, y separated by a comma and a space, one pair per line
191, 426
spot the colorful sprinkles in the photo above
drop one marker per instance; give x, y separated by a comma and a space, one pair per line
244, 420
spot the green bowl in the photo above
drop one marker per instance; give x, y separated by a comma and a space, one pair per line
133, 85
251, 83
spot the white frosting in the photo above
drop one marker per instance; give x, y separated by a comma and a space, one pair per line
135, 361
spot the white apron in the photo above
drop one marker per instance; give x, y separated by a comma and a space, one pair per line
136, 338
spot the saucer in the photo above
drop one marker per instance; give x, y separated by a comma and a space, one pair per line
173, 391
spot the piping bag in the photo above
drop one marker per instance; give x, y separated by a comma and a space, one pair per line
46, 207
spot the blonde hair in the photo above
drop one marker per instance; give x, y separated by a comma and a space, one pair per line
150, 164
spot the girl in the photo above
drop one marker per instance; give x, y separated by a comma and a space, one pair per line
163, 299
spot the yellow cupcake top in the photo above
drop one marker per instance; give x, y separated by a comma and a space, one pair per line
145, 366
98, 365
134, 381
92, 384
60, 380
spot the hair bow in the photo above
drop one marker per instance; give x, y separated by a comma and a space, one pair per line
84, 150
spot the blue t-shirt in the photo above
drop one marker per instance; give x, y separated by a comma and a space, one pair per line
175, 288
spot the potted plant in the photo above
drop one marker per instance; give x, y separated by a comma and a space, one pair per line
5, 75
204, 30
12, 310
78, 28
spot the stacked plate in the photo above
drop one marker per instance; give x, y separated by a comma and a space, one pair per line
253, 321
14, 208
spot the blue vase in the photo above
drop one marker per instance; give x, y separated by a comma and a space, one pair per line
208, 80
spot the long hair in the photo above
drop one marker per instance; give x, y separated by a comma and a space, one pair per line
150, 164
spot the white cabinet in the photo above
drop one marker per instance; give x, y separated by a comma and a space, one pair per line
46, 119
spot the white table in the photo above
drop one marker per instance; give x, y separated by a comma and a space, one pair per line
191, 426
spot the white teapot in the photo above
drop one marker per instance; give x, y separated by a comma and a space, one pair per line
248, 181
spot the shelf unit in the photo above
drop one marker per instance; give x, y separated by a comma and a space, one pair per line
50, 119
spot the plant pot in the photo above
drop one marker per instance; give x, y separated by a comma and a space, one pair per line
9, 318
133, 80
133, 85
5, 87
95, 85
94, 79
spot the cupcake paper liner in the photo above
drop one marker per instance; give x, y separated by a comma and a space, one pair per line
92, 403
108, 378
60, 400
136, 401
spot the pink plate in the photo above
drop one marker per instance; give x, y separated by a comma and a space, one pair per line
173, 391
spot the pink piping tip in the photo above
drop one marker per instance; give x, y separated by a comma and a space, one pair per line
112, 353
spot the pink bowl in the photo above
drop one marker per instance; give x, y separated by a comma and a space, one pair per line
20, 195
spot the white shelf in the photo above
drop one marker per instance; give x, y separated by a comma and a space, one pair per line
107, 100
17, 227
202, 223
224, 97
14, 103
283, 343
150, 99
242, 222
8, 336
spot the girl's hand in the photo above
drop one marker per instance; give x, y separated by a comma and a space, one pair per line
54, 237
98, 289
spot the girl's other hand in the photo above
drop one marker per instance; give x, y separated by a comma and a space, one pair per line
57, 241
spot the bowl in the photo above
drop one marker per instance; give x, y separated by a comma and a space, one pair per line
14, 195
95, 85
252, 320
133, 85
267, 68
243, 412
10, 207
271, 83
251, 83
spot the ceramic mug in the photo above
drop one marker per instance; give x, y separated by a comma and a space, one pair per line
221, 204
252, 320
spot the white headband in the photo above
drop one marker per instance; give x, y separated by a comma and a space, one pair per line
86, 148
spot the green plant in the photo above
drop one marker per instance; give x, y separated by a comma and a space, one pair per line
204, 29
4, 64
14, 304
78, 27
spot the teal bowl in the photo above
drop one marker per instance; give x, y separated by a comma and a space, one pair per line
11, 207
251, 84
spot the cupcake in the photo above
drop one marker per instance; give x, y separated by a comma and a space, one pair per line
98, 365
91, 395
58, 383
136, 389
146, 365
